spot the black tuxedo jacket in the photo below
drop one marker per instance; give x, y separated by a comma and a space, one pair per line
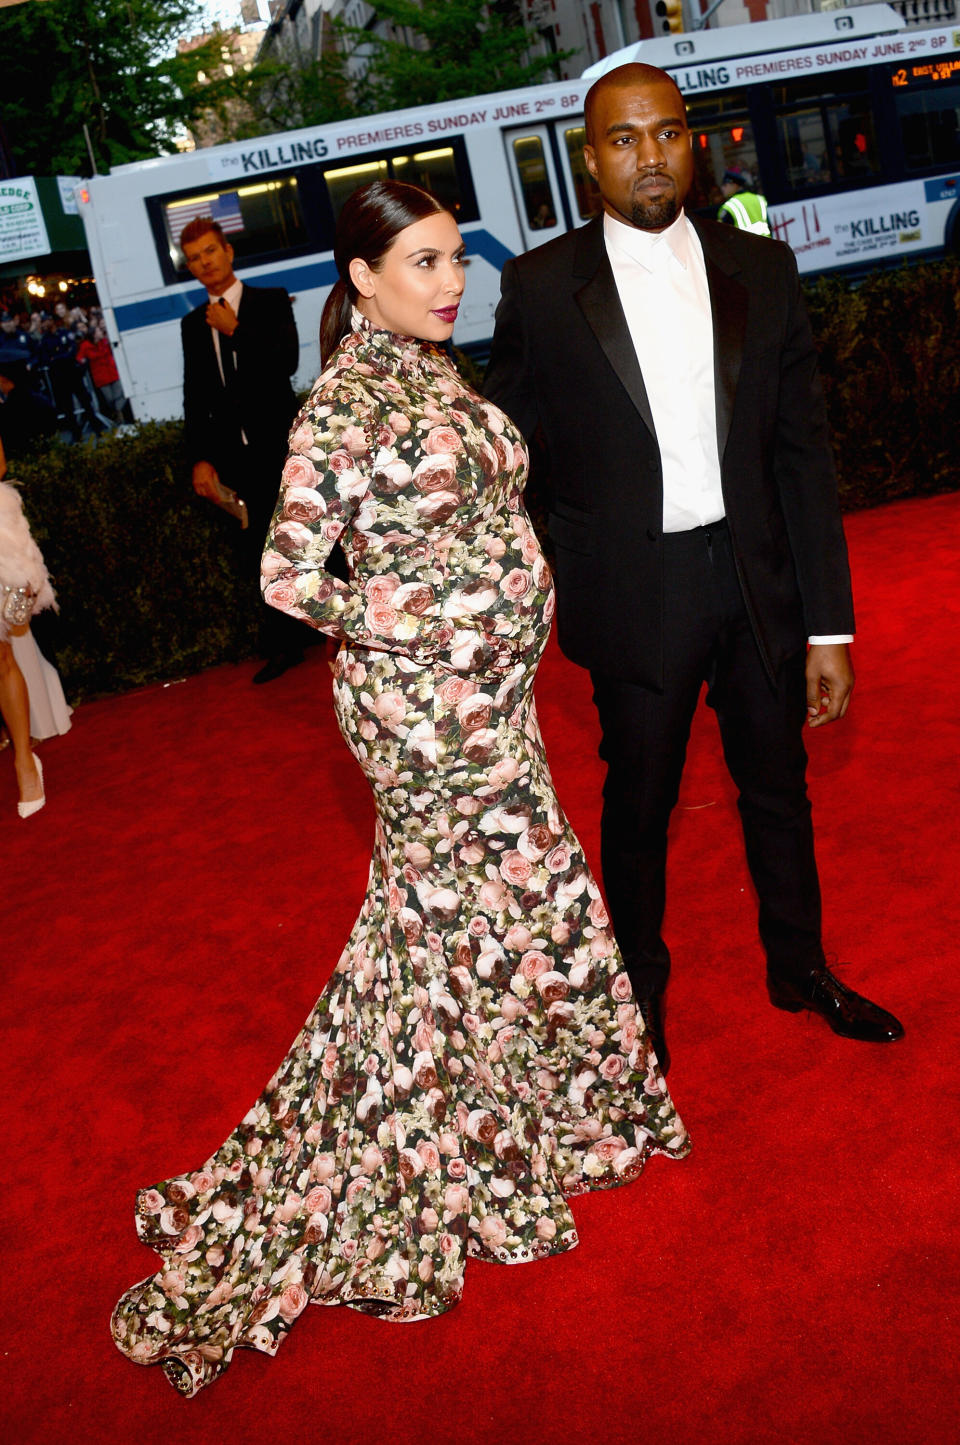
259, 399
564, 368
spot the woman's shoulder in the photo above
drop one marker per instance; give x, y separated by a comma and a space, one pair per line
351, 379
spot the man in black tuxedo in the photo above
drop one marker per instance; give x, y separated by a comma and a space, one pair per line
240, 349
665, 372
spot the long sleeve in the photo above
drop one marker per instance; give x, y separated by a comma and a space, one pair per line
806, 479
271, 347
326, 487
196, 399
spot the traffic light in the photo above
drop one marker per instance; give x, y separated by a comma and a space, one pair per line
670, 13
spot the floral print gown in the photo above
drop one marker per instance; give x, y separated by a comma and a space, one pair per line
477, 1057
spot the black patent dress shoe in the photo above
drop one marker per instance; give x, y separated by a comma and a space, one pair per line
849, 1014
275, 667
650, 1008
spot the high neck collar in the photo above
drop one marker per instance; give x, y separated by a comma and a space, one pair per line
403, 355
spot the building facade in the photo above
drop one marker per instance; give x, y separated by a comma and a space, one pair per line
591, 29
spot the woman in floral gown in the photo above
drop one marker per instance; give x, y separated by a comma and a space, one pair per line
477, 1057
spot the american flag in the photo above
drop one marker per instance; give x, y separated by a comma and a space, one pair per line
223, 208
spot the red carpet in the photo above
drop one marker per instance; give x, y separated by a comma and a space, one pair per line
170, 917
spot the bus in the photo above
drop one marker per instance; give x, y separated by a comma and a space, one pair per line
850, 122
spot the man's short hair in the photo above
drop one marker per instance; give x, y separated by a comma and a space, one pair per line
198, 227
633, 75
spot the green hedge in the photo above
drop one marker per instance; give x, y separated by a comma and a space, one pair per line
148, 574
890, 359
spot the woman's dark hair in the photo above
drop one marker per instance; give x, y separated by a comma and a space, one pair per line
369, 223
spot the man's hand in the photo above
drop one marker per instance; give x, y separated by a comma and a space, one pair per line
829, 682
222, 317
205, 480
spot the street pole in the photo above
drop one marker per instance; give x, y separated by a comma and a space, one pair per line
701, 20
93, 159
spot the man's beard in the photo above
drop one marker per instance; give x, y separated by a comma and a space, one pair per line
655, 215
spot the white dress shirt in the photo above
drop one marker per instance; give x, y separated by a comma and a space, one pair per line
661, 280
662, 283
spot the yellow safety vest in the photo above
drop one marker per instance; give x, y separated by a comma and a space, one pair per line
748, 211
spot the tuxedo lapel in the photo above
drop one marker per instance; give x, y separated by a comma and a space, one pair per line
599, 301
728, 302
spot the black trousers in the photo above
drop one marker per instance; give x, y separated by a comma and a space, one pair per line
707, 638
66, 378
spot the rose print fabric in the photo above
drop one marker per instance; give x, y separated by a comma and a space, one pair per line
477, 1057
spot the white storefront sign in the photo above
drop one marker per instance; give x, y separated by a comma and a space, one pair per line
23, 231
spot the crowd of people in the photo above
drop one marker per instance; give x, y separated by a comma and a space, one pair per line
57, 373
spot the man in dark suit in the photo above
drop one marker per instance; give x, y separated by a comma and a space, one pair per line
665, 372
240, 349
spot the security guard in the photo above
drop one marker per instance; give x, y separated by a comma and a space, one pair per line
743, 206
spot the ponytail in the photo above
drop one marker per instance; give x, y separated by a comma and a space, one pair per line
335, 321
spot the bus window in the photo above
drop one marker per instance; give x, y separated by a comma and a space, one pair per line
261, 217
930, 126
803, 145
588, 192
827, 136
434, 170
538, 199
341, 183
855, 153
722, 138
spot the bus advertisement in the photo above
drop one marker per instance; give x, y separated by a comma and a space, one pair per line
849, 122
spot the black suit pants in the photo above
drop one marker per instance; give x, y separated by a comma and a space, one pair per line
66, 378
708, 638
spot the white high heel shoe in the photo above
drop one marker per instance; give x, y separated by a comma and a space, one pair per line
35, 804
